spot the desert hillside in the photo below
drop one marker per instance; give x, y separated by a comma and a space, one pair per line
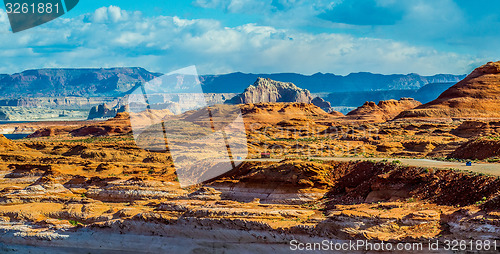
295, 172
383, 111
478, 95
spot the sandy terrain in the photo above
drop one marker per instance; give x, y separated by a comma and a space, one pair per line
300, 174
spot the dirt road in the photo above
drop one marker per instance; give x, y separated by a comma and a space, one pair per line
485, 168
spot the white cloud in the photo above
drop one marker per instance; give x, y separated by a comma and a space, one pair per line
235, 6
109, 14
113, 37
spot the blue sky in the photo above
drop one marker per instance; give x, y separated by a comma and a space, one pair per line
267, 36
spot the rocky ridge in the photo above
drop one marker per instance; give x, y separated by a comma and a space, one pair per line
266, 90
39, 114
104, 111
383, 111
479, 149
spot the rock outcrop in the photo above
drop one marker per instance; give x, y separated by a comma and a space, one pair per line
273, 113
67, 103
276, 182
476, 128
104, 111
268, 90
8, 113
383, 111
321, 103
478, 149
478, 95
118, 125
4, 142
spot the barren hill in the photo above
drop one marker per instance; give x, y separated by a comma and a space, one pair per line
478, 95
7, 145
384, 110
4, 142
286, 113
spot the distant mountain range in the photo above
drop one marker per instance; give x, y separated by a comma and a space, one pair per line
351, 90
113, 82
322, 83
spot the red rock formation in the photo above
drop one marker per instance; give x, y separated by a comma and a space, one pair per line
4, 142
478, 95
470, 129
383, 111
276, 112
267, 90
324, 105
480, 149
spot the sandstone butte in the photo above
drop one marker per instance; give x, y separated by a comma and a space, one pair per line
268, 90
478, 95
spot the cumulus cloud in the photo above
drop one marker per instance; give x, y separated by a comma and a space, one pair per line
439, 23
109, 14
236, 6
113, 37
445, 24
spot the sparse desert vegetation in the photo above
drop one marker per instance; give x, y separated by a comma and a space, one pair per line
307, 174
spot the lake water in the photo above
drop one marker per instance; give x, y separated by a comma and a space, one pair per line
6, 122
15, 136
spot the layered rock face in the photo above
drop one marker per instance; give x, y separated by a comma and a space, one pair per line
104, 111
480, 149
478, 95
476, 128
118, 125
324, 105
268, 90
67, 103
39, 114
7, 145
384, 110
